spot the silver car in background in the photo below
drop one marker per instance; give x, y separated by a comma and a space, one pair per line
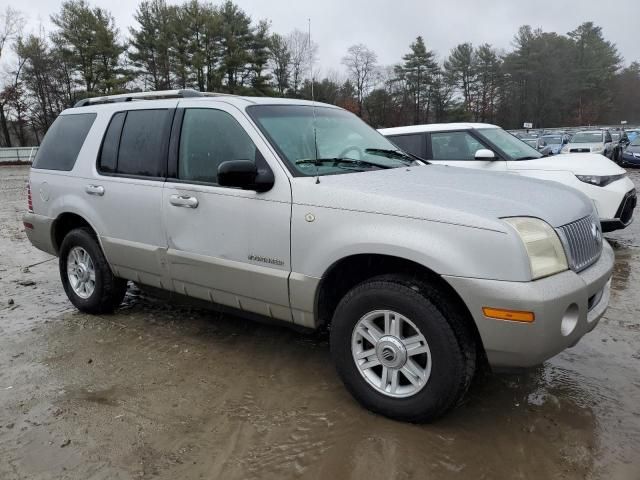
590, 141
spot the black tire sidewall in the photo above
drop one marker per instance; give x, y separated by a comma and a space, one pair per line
442, 388
82, 238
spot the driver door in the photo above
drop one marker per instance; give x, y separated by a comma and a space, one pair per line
225, 245
458, 149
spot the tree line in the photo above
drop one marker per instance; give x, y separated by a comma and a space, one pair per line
547, 78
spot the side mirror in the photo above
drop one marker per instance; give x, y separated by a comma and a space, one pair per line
485, 154
244, 174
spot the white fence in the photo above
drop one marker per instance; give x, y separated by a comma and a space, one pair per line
17, 154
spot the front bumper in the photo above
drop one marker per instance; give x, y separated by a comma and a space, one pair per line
557, 301
624, 214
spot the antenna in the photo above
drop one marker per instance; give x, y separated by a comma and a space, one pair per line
313, 105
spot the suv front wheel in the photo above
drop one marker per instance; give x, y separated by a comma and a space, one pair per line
402, 348
86, 276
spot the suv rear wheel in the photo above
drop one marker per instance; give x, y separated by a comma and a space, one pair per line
86, 276
402, 348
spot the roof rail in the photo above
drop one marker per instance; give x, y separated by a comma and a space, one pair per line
158, 95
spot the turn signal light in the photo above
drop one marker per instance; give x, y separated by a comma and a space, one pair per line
511, 315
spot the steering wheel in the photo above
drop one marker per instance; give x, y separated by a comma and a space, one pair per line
352, 148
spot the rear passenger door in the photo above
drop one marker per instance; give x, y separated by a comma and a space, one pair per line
458, 148
226, 245
127, 193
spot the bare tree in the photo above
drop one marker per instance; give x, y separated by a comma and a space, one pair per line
303, 54
11, 23
361, 63
280, 62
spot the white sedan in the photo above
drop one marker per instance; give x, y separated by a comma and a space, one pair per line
488, 147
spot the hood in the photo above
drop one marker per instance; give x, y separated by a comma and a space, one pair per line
445, 194
576, 163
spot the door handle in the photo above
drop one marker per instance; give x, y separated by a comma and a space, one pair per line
94, 190
185, 201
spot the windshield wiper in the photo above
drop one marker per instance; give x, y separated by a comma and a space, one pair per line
337, 161
399, 154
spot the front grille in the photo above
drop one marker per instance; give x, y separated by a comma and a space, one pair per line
628, 204
580, 150
582, 241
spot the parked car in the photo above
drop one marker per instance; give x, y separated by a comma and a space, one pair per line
488, 147
555, 141
631, 153
590, 141
300, 212
632, 134
539, 144
620, 142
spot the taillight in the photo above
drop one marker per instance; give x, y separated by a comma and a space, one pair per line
29, 199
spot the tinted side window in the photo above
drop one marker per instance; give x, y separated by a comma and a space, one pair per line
143, 143
208, 138
63, 141
110, 144
410, 143
454, 146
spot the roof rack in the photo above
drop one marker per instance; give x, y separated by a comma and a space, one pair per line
158, 95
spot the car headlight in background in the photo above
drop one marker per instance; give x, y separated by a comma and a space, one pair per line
546, 254
600, 180
598, 149
565, 150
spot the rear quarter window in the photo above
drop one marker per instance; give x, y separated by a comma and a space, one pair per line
63, 141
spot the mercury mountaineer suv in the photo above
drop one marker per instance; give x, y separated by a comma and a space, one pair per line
298, 211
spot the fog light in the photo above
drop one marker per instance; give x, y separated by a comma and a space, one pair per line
569, 320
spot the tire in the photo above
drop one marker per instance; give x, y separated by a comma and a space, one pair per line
440, 319
102, 295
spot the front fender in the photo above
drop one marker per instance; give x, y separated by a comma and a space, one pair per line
444, 248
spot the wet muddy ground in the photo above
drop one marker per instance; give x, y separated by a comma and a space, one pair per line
171, 391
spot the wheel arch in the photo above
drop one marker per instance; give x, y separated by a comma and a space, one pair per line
64, 223
349, 271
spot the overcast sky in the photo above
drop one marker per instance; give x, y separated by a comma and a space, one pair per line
388, 27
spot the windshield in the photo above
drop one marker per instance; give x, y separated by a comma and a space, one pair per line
510, 145
533, 143
344, 143
636, 142
587, 137
553, 139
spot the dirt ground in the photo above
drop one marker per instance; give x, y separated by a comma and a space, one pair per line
171, 391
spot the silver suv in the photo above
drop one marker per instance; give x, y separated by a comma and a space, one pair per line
300, 212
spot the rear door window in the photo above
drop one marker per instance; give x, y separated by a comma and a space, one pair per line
109, 153
143, 143
63, 141
135, 143
412, 143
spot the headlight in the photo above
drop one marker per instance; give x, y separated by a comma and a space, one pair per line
546, 255
637, 155
598, 149
600, 181
565, 150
